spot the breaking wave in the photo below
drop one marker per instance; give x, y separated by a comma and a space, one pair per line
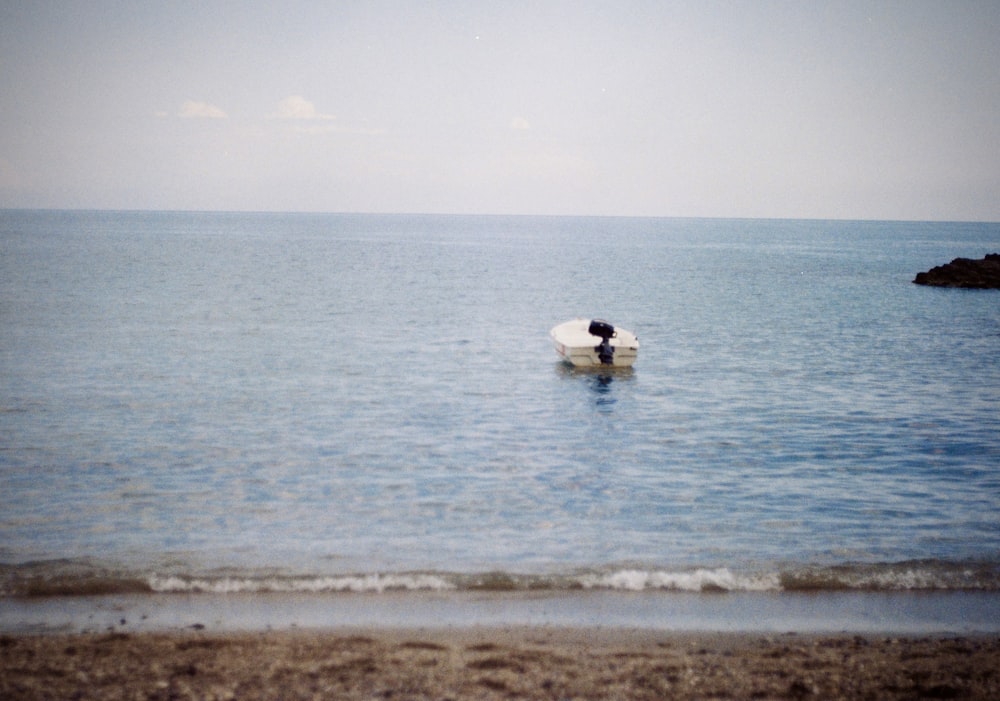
80, 579
696, 581
374, 583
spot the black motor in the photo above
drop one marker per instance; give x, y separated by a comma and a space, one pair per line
604, 331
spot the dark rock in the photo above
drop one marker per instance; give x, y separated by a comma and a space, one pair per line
964, 272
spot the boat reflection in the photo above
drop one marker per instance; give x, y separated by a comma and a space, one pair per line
600, 381
601, 386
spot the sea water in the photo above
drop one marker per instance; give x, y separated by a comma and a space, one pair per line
231, 402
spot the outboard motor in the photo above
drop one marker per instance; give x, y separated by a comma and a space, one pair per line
604, 331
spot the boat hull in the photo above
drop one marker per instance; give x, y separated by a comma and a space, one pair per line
578, 347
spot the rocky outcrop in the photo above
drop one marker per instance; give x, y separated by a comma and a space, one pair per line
964, 272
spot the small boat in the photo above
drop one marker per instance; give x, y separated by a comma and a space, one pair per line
586, 343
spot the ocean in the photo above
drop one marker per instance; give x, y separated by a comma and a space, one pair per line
231, 404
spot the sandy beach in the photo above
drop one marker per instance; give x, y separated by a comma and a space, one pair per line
496, 663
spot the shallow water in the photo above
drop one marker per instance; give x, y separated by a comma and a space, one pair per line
903, 613
245, 402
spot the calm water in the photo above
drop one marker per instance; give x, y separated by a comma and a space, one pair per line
328, 402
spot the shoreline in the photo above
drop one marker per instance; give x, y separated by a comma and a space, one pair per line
888, 613
496, 662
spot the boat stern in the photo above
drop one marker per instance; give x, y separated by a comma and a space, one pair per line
576, 346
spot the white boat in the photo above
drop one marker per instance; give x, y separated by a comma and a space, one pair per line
594, 343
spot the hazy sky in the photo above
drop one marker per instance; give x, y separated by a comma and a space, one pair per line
884, 110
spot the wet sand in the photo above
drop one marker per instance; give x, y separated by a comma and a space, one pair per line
496, 663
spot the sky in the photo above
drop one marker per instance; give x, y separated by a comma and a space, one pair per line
792, 109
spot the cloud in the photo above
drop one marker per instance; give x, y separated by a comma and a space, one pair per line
192, 109
297, 107
519, 124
